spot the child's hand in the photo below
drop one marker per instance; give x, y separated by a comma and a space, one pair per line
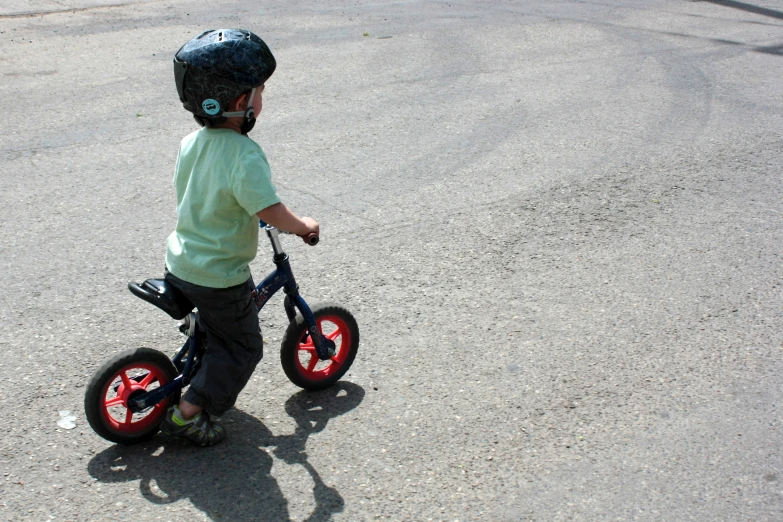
312, 229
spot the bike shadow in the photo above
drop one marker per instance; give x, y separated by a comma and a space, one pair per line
232, 481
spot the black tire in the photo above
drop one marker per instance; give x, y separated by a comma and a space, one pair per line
295, 355
103, 416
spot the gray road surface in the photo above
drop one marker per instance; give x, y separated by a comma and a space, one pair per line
558, 223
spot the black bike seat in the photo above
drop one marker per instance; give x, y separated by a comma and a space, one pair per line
164, 296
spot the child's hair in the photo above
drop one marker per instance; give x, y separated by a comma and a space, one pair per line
215, 67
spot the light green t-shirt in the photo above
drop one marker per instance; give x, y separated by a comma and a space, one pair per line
222, 180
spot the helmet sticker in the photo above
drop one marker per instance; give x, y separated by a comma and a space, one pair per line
211, 106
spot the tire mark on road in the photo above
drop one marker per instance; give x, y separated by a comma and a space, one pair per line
33, 14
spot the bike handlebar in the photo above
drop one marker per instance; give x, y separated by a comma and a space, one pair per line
311, 239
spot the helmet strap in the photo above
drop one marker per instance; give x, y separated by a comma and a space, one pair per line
249, 114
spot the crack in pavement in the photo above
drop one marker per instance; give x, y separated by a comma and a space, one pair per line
32, 14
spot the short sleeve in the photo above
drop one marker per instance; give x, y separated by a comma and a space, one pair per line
252, 184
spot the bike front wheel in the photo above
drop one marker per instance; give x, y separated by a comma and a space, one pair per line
297, 352
122, 378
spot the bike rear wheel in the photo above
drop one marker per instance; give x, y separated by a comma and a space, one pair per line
123, 377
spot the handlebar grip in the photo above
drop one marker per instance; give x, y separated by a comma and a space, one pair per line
311, 239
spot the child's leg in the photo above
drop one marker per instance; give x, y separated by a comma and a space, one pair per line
234, 345
189, 409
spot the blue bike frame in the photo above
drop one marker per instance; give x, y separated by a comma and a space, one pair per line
281, 277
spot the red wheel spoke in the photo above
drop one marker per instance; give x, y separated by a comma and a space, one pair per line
313, 362
307, 346
147, 380
117, 401
125, 380
128, 417
334, 335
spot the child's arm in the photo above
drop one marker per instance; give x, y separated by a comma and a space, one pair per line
280, 216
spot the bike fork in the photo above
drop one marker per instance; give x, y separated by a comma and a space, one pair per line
324, 348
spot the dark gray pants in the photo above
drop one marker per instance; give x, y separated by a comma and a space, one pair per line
234, 344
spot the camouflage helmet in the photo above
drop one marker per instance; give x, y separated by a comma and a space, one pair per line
215, 67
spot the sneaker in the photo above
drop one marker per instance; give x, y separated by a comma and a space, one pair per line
199, 430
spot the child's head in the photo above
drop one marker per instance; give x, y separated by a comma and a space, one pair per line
220, 73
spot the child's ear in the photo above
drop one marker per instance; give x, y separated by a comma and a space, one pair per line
238, 103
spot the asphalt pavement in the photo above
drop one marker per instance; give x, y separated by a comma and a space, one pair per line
559, 225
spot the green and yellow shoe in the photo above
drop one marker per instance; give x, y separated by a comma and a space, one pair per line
199, 430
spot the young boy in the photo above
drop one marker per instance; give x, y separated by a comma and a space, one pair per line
223, 186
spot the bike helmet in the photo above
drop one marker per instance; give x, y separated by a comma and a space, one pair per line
215, 67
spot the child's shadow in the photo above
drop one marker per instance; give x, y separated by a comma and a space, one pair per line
231, 481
